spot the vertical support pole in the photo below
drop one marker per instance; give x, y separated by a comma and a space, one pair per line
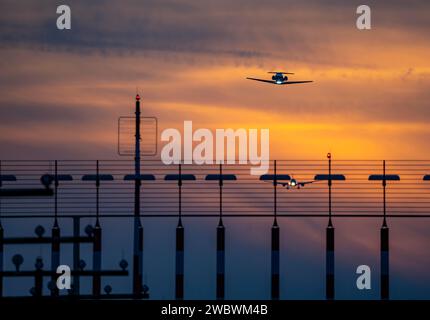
76, 254
220, 241
179, 281
179, 270
329, 242
97, 260
55, 258
55, 246
275, 243
385, 279
330, 263
97, 246
138, 259
1, 258
38, 278
138, 228
1, 237
220, 262
384, 263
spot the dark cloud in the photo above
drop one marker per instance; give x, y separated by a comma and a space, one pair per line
246, 29
21, 115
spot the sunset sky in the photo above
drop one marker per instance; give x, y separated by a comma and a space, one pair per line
61, 92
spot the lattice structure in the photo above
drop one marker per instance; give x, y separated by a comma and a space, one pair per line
126, 136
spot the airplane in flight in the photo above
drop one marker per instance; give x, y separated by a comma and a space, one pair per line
280, 78
292, 183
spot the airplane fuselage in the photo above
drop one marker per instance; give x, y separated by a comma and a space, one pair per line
279, 78
294, 184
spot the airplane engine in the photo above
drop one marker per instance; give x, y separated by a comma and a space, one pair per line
273, 77
285, 78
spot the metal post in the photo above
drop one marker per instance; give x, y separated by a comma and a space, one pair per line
97, 260
97, 248
138, 228
220, 258
1, 258
275, 243
38, 278
1, 237
330, 263
55, 248
384, 264
179, 279
384, 246
76, 254
329, 242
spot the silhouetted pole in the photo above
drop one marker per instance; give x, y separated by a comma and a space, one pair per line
97, 249
76, 255
385, 280
385, 294
220, 234
179, 279
220, 241
1, 258
1, 235
38, 277
179, 258
329, 241
138, 228
275, 243
55, 249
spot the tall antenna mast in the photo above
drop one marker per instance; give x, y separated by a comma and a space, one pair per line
138, 229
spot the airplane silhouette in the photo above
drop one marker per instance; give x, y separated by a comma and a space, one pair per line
279, 78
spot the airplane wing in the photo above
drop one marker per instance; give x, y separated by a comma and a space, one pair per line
294, 82
268, 81
281, 182
305, 182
